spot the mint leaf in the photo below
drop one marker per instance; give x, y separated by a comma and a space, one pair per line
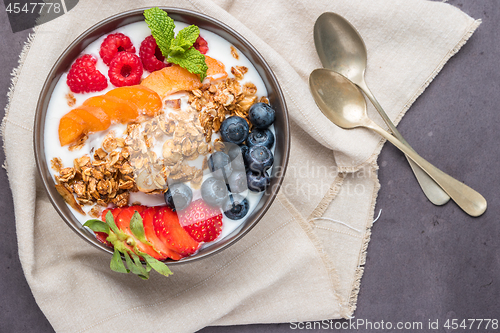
162, 28
184, 40
117, 263
97, 226
193, 61
157, 265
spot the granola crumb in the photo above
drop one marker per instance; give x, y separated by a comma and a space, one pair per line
173, 103
79, 143
70, 99
234, 53
239, 71
219, 145
56, 164
264, 99
95, 212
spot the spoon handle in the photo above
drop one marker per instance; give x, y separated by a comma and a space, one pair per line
432, 191
465, 197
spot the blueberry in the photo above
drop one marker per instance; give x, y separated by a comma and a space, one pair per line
235, 207
237, 182
234, 129
220, 165
259, 158
178, 196
235, 154
244, 150
213, 191
261, 115
257, 181
260, 137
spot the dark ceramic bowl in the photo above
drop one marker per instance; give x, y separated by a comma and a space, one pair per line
275, 95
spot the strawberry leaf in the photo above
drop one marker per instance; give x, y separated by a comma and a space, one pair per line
111, 222
97, 226
130, 264
137, 227
157, 265
117, 263
143, 272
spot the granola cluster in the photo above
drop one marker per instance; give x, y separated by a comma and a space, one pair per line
216, 100
101, 179
183, 140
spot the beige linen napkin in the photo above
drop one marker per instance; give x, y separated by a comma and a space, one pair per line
297, 264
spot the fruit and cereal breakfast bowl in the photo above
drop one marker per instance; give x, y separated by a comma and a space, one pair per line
161, 136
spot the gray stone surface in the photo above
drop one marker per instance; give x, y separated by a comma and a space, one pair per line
424, 262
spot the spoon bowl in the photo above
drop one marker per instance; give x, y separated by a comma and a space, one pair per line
340, 47
338, 98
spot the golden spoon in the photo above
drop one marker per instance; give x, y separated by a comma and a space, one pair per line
341, 49
342, 102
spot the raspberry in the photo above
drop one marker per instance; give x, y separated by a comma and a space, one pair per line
151, 56
113, 44
84, 77
125, 69
201, 45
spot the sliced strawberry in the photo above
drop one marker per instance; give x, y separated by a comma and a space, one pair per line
201, 221
114, 211
169, 231
147, 219
123, 223
101, 237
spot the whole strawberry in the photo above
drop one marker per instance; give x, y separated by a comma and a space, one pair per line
201, 221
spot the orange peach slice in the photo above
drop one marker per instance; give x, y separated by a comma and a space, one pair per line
95, 118
71, 128
124, 104
145, 100
172, 79
116, 108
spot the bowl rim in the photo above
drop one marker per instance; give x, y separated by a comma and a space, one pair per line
52, 78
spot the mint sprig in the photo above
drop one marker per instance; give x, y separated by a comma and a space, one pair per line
162, 28
184, 40
179, 49
193, 61
122, 243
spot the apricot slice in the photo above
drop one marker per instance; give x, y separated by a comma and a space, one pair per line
116, 108
95, 118
80, 121
71, 127
216, 69
172, 79
145, 100
124, 104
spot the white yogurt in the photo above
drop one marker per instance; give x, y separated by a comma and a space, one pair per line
219, 49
